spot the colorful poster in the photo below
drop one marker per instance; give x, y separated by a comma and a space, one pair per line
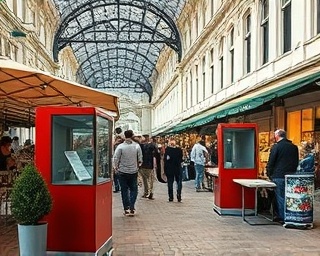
299, 192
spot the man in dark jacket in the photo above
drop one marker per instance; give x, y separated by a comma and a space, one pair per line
149, 165
172, 168
283, 159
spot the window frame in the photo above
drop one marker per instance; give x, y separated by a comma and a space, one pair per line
204, 64
212, 69
221, 62
247, 43
231, 53
286, 20
265, 30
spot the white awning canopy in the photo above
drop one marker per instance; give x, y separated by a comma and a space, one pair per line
22, 89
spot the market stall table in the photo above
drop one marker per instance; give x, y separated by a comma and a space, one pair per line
253, 183
211, 172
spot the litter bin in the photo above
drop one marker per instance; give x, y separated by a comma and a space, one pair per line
299, 196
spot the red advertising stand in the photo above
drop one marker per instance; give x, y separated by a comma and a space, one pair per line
73, 153
237, 159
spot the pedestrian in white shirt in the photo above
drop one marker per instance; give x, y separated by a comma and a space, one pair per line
199, 154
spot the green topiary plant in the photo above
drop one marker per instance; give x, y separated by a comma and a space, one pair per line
30, 197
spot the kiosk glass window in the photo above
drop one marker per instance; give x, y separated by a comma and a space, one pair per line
72, 149
103, 150
239, 148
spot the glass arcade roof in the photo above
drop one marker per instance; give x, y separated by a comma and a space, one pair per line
117, 42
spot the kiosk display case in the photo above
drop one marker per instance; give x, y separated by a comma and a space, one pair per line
73, 153
237, 159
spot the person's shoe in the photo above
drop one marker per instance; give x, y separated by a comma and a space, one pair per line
116, 191
132, 213
279, 220
151, 196
198, 189
179, 198
170, 199
126, 213
145, 196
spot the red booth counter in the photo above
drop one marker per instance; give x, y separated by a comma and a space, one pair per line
73, 153
237, 159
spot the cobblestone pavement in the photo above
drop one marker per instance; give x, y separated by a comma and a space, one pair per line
192, 228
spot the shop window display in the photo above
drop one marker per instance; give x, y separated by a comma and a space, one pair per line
264, 151
186, 141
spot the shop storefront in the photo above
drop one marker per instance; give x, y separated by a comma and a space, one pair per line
294, 106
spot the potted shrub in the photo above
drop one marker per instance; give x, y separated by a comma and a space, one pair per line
30, 202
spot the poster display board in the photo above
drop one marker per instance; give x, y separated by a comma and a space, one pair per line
299, 193
77, 165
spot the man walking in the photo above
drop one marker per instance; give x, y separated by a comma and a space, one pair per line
126, 161
199, 155
149, 165
172, 169
283, 159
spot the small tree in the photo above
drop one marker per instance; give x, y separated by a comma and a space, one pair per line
30, 197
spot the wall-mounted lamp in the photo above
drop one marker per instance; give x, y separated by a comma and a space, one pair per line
18, 33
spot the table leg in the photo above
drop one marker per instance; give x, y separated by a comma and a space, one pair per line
243, 212
256, 202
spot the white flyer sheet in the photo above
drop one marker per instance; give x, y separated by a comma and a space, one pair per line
77, 165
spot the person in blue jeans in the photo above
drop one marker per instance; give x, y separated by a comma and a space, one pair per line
283, 159
126, 161
185, 164
199, 155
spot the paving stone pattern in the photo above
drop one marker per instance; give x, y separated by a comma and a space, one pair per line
191, 228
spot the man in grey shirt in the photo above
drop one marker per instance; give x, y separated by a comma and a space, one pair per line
126, 161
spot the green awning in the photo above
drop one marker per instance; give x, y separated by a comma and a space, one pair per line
247, 102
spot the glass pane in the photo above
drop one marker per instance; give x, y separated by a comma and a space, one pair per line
72, 149
239, 148
307, 120
287, 29
317, 120
103, 150
265, 43
294, 127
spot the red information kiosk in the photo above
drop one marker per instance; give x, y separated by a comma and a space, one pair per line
237, 159
73, 153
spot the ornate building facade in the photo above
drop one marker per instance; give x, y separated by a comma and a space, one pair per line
231, 48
